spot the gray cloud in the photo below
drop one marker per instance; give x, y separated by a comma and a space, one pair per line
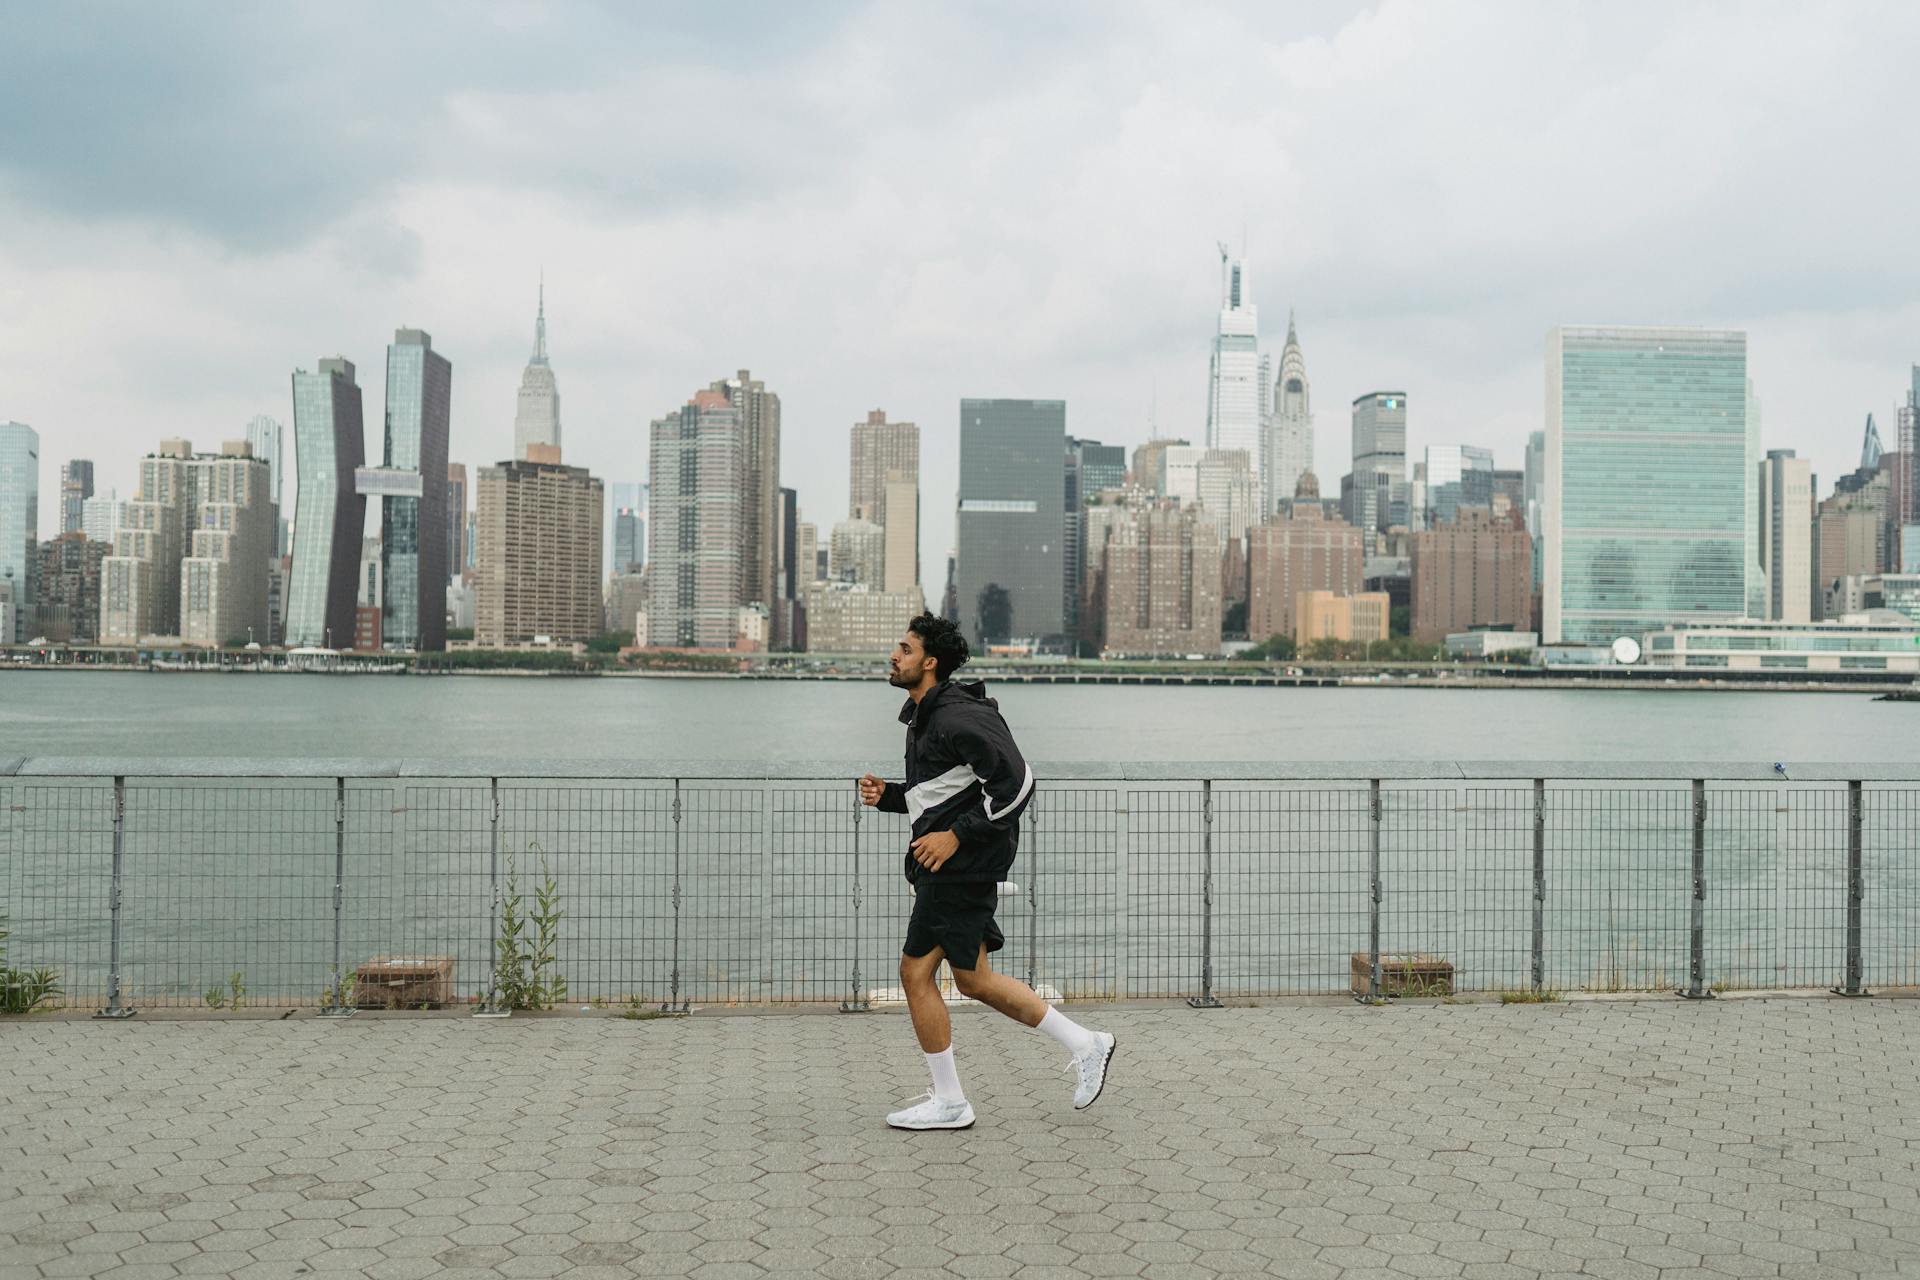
898, 205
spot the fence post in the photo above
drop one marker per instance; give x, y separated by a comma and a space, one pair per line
769, 809
115, 1008
1697, 987
1856, 890
674, 1003
1373, 995
1206, 1000
337, 1005
1539, 884
1123, 893
1033, 888
490, 1005
856, 1001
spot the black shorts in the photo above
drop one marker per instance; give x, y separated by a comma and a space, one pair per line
957, 918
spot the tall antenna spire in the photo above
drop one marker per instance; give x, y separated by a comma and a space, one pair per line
540, 324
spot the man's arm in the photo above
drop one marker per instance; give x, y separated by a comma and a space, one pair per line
1005, 780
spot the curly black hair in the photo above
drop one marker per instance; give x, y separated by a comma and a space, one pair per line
941, 639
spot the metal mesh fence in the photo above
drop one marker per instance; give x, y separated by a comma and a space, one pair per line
1619, 886
659, 892
1890, 916
1290, 876
1497, 830
58, 875
1069, 875
1166, 887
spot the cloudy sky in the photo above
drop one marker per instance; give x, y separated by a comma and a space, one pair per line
896, 205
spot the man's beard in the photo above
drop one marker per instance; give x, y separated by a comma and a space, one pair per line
899, 681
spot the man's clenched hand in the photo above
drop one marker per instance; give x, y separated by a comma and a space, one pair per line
871, 789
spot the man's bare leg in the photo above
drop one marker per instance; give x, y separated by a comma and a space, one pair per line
931, 1026
998, 991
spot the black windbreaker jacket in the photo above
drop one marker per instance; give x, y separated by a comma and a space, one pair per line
964, 775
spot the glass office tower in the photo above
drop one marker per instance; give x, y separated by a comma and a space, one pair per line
1646, 481
413, 495
329, 443
1012, 519
20, 522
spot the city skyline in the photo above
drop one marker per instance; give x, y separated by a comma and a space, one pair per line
1443, 289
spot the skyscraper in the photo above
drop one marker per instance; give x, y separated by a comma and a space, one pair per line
785, 625
223, 577
628, 554
100, 517
537, 419
1092, 468
1305, 550
876, 448
268, 439
1471, 571
1458, 475
412, 488
76, 486
456, 519
902, 509
537, 565
328, 440
1870, 447
1786, 536
191, 558
69, 587
759, 413
1224, 486
1237, 402
1536, 478
1756, 569
628, 526
1156, 581
1905, 507
1289, 435
884, 488
1379, 476
857, 552
1646, 480
140, 581
19, 521
695, 547
1012, 553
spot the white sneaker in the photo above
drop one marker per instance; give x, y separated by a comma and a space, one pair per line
934, 1113
1092, 1069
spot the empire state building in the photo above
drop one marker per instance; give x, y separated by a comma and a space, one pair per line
537, 420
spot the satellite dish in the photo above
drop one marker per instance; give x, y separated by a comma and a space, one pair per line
1626, 651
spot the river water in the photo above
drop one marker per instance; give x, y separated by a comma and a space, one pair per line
663, 720
720, 891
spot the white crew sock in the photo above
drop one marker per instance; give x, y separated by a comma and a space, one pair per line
946, 1076
1075, 1038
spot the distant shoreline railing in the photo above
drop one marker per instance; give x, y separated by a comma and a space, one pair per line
150, 883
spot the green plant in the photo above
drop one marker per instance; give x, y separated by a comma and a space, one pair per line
523, 966
342, 994
229, 995
1530, 997
24, 990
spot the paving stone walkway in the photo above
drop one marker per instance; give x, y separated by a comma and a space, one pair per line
1641, 1139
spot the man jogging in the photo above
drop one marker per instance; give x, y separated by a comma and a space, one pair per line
966, 788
